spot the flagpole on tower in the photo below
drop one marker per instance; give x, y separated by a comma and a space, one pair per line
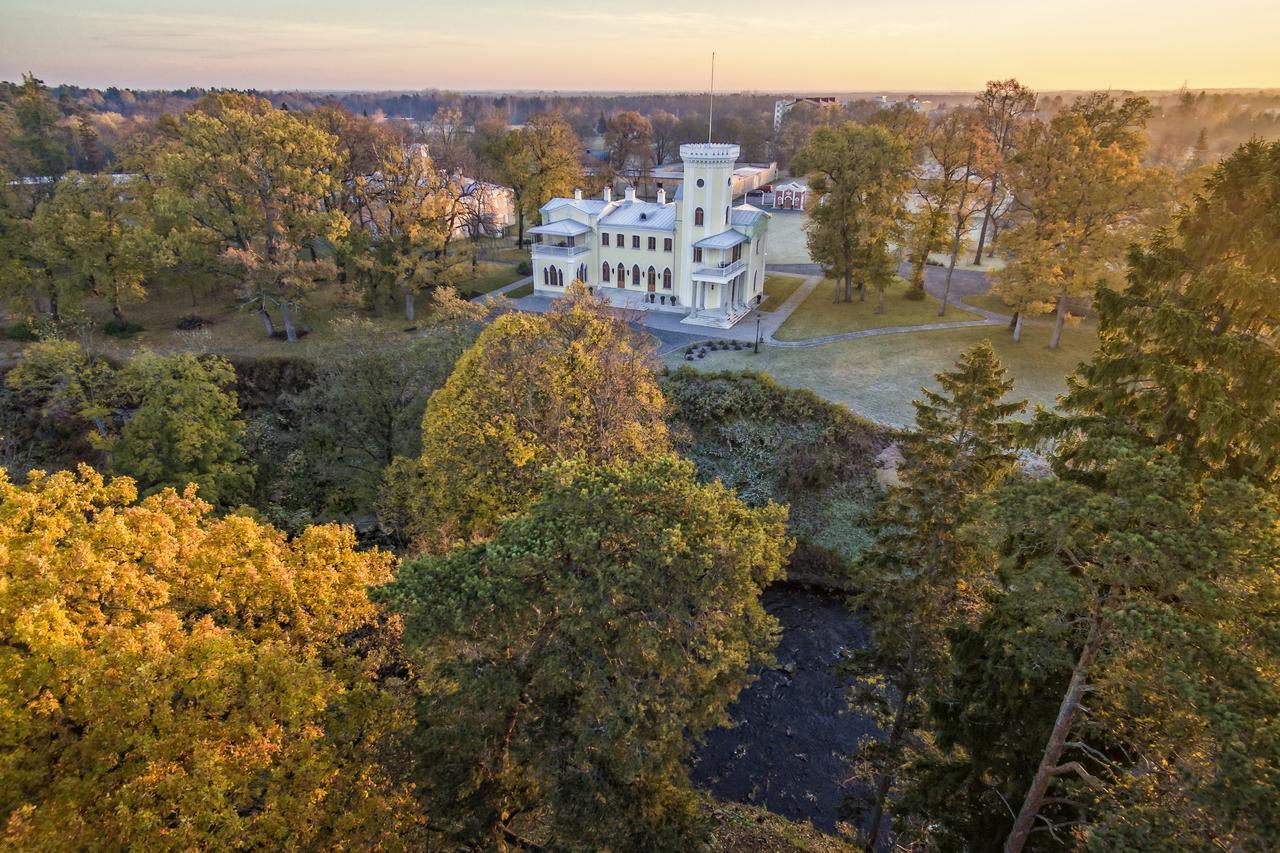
711, 109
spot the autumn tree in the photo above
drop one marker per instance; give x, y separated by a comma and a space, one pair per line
42, 143
568, 662
858, 175
947, 189
249, 182
1079, 188
184, 427
539, 161
533, 390
664, 128
93, 234
629, 140
415, 214
1004, 106
931, 561
171, 679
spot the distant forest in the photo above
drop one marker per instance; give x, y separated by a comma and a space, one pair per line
1185, 125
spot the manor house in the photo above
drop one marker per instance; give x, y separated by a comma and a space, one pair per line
697, 255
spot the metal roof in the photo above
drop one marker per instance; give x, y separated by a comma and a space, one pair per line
746, 215
586, 205
562, 228
723, 240
641, 214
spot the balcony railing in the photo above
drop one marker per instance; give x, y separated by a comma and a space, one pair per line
547, 250
725, 270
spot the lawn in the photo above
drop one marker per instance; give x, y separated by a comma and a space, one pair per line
778, 289
877, 377
232, 330
488, 276
818, 316
786, 243
525, 289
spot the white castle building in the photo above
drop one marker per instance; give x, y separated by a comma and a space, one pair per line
697, 255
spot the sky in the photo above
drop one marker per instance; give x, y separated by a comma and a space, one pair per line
653, 45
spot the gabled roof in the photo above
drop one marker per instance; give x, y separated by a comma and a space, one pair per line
641, 214
745, 215
587, 205
562, 228
794, 186
723, 240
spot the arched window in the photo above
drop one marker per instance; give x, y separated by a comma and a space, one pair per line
697, 216
726, 216
666, 279
622, 276
604, 271
635, 275
653, 277
546, 276
582, 273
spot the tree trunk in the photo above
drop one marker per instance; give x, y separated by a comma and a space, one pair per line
991, 245
520, 232
1017, 327
408, 306
266, 322
951, 268
880, 294
1049, 768
118, 314
1013, 321
290, 331
54, 313
1057, 322
986, 218
886, 778
862, 291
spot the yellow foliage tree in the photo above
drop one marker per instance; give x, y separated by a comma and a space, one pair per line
575, 382
173, 680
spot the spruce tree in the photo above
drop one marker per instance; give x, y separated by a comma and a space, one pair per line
930, 561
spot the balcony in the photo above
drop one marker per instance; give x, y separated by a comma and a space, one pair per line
719, 273
558, 250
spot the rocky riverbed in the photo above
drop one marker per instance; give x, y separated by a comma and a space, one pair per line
792, 728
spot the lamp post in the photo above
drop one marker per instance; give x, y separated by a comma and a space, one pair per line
757, 352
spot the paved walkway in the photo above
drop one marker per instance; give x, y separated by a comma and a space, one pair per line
506, 288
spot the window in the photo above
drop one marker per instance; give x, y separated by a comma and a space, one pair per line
666, 244
635, 241
635, 275
757, 247
546, 276
622, 276
755, 282
582, 273
604, 271
653, 243
666, 279
697, 216
726, 216
697, 255
701, 182
653, 277
737, 252
604, 238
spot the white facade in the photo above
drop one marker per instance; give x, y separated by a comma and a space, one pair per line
697, 255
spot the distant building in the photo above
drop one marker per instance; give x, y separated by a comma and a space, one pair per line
697, 255
790, 196
782, 107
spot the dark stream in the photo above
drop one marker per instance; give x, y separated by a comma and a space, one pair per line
792, 728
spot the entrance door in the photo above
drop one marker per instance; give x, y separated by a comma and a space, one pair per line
786, 204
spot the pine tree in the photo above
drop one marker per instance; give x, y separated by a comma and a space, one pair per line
930, 562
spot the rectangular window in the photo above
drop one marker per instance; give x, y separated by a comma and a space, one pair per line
653, 243
666, 244
635, 241
604, 238
697, 255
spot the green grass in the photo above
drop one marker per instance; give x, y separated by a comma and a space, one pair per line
488, 277
818, 316
778, 289
786, 242
522, 290
878, 377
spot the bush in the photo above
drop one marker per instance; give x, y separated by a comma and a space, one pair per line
21, 332
524, 268
191, 322
117, 329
